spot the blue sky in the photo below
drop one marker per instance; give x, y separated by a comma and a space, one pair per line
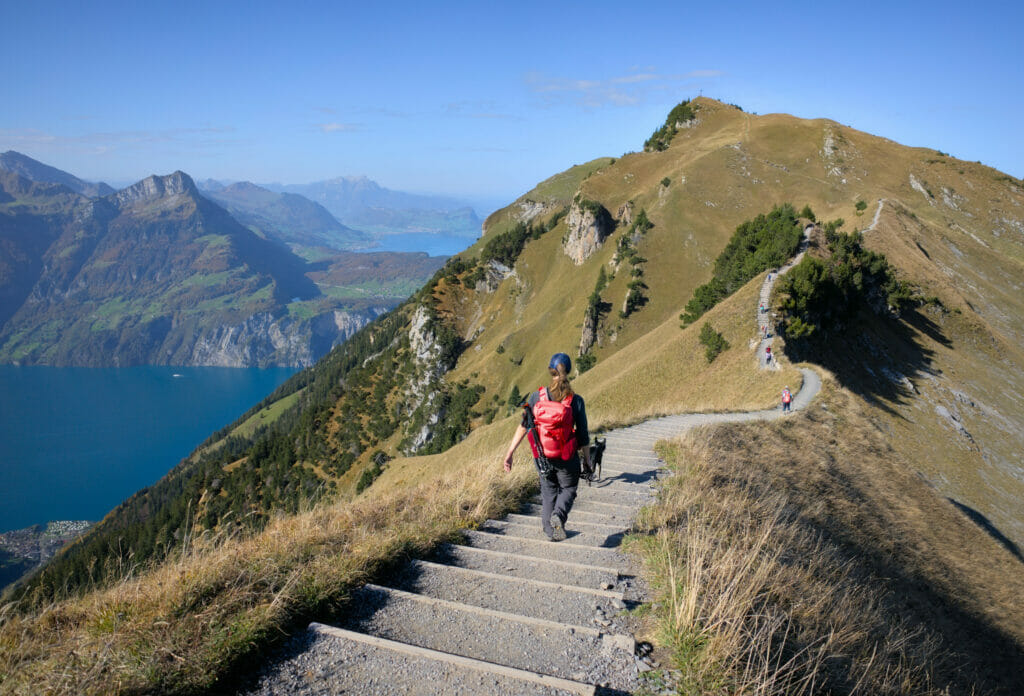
477, 99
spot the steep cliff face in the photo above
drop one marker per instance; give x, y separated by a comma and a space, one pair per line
589, 225
263, 340
424, 387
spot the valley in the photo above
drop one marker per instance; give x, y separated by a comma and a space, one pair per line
158, 274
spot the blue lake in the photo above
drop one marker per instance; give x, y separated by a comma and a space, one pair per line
75, 442
433, 244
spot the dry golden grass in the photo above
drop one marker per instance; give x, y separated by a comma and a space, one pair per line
185, 625
665, 371
803, 556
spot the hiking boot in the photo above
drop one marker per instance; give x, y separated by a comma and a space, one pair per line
557, 530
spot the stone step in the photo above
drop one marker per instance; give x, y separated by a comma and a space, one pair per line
647, 478
631, 469
369, 665
573, 652
633, 460
524, 596
634, 448
597, 527
607, 502
618, 496
575, 535
630, 441
634, 478
636, 494
610, 515
522, 565
540, 547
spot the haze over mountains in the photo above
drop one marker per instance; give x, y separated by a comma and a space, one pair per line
158, 273
364, 204
287, 217
32, 170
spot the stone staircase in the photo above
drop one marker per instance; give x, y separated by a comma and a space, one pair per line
505, 611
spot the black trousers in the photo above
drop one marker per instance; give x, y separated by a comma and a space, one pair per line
558, 491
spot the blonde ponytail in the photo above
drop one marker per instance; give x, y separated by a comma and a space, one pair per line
560, 386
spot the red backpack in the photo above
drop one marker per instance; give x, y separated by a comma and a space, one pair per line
554, 423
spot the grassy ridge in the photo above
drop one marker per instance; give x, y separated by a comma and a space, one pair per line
804, 557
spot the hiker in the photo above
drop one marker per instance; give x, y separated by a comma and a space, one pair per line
767, 355
555, 420
787, 399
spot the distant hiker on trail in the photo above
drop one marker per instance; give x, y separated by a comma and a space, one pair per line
768, 355
555, 421
787, 399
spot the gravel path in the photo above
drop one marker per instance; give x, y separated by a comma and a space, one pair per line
765, 323
507, 611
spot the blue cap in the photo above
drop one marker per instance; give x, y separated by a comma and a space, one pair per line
560, 359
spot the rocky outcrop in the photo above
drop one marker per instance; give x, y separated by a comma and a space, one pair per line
589, 225
163, 189
424, 388
527, 209
916, 184
494, 273
625, 214
263, 340
589, 334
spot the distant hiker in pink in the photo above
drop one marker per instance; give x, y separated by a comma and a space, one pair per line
555, 422
787, 399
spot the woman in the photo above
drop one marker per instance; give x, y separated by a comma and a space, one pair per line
559, 418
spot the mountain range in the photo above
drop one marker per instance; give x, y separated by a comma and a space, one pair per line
366, 205
907, 302
286, 217
157, 273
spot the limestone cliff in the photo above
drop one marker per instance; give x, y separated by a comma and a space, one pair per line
589, 225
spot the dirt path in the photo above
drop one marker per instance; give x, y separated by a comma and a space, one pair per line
878, 212
765, 319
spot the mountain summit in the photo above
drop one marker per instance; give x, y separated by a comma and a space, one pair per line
25, 166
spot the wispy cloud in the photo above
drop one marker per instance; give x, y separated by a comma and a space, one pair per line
704, 73
482, 109
635, 87
335, 127
103, 142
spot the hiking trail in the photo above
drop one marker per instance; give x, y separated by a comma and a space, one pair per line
765, 318
505, 611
